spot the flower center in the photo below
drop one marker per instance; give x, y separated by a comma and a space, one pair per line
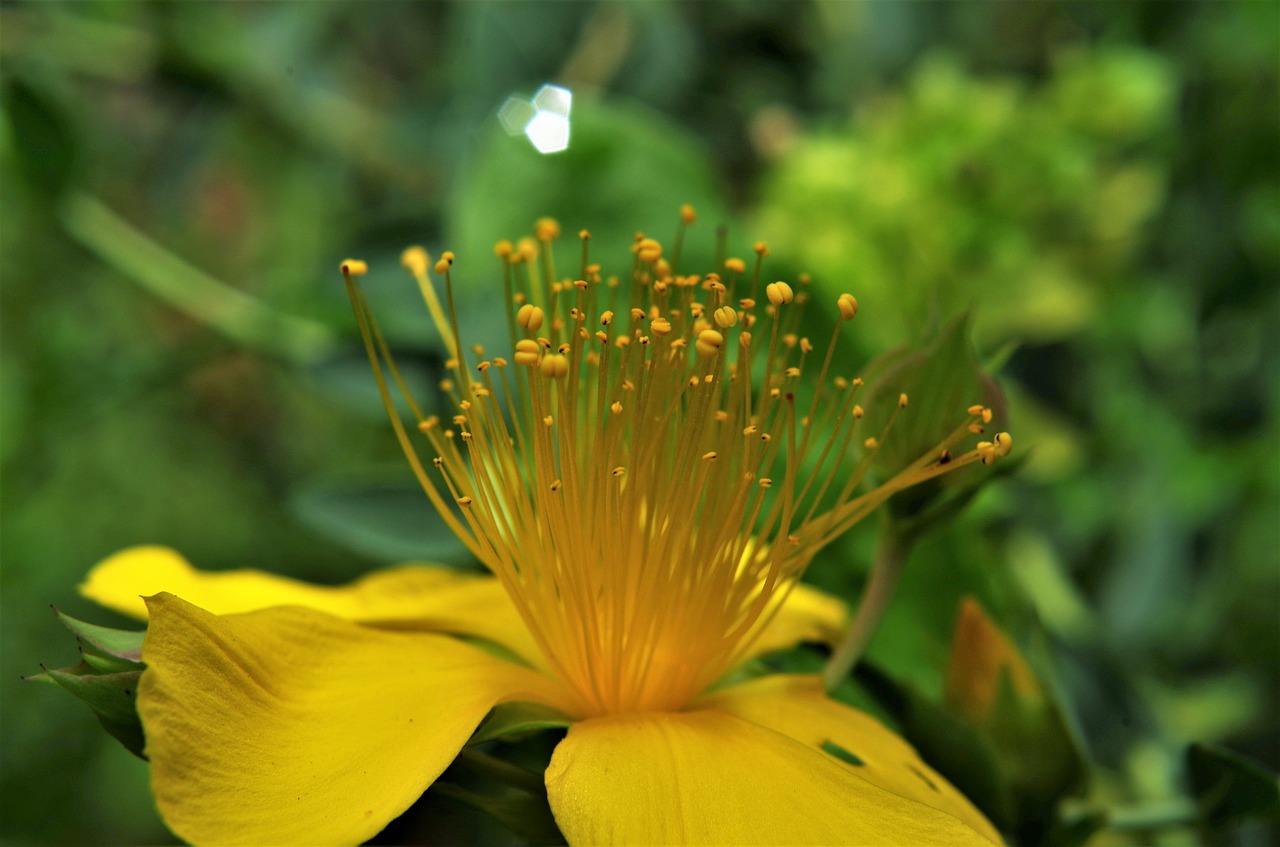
633, 474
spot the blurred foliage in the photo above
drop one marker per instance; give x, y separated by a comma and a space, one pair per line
1096, 184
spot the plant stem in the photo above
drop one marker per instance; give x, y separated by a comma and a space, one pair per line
891, 556
238, 316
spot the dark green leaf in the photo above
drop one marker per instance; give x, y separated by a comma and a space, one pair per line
381, 519
1229, 786
44, 142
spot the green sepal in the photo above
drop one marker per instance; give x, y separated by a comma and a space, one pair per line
113, 698
106, 642
108, 664
1229, 787
516, 719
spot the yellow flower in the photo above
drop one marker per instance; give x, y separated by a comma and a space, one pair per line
646, 477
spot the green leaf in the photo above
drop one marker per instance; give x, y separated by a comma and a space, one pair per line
514, 719
386, 520
526, 815
106, 642
113, 698
1229, 786
941, 381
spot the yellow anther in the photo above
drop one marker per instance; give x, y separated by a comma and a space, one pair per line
355, 267
975, 409
764, 482
749, 431
555, 486
986, 416
584, 234
438, 462
459, 420
547, 229
709, 341
805, 345
648, 250
848, 305
555, 366
442, 266
616, 407
637, 314
736, 266
744, 338
687, 214
447, 384
464, 501
602, 336
606, 318
526, 352
721, 415
902, 401
793, 372
766, 437
660, 326
563, 349
726, 317
871, 444
790, 340
503, 249
499, 362
618, 471
857, 411
709, 456
530, 317
548, 421
415, 260
977, 429
779, 293
1003, 443
761, 248
775, 393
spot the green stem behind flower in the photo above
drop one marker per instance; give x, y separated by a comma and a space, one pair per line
891, 556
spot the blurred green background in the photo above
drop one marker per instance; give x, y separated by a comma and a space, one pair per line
1098, 182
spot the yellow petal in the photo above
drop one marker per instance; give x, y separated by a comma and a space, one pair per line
409, 596
806, 615
708, 777
289, 726
796, 706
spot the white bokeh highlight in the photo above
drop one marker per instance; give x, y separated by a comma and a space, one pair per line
544, 120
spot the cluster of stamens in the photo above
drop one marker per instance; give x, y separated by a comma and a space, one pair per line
638, 475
